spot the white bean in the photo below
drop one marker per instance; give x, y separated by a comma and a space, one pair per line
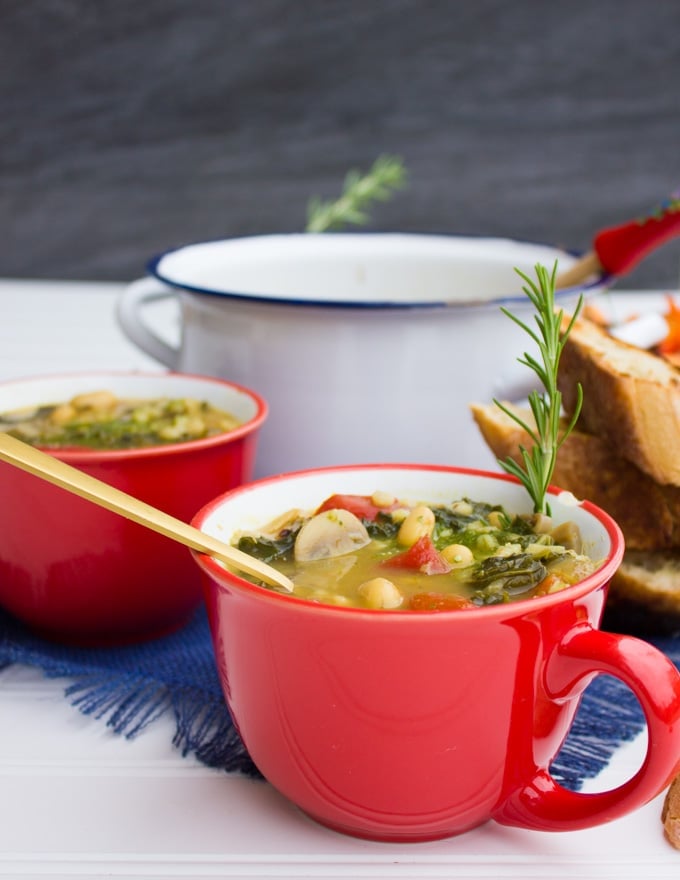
62, 414
382, 499
94, 400
496, 519
418, 523
457, 555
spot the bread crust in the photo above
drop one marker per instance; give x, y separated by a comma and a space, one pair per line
670, 814
631, 399
644, 594
648, 513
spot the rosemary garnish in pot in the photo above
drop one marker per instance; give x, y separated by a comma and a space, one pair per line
385, 175
548, 433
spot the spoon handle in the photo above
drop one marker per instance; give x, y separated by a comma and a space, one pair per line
32, 460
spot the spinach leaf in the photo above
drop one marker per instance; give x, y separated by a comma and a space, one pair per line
499, 577
269, 549
382, 527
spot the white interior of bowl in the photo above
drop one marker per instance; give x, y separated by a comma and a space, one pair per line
252, 507
365, 269
42, 390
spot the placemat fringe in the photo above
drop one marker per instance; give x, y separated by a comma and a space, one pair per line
131, 687
127, 704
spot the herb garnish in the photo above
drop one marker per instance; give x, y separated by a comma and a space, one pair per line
385, 175
547, 434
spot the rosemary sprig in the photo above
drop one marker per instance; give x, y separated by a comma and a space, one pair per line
385, 175
538, 464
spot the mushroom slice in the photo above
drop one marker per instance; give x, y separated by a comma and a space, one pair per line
568, 535
331, 533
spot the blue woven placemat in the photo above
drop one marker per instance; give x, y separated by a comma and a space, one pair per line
128, 688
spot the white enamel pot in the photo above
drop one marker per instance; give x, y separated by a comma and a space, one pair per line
367, 347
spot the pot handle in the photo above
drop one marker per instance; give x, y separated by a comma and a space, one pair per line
129, 308
543, 804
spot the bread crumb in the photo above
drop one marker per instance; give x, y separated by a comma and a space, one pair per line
670, 814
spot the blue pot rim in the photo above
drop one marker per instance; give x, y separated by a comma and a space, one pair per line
153, 267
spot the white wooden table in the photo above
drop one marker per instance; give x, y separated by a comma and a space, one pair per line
77, 801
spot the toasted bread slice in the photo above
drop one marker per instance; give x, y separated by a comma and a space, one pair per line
670, 813
648, 514
631, 399
644, 594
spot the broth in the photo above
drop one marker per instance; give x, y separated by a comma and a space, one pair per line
383, 553
101, 420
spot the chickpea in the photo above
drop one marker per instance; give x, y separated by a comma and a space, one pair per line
380, 593
418, 523
192, 406
382, 499
487, 544
496, 519
457, 555
195, 426
400, 514
62, 414
101, 400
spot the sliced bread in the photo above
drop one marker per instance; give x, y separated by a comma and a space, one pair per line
648, 514
631, 399
644, 594
670, 813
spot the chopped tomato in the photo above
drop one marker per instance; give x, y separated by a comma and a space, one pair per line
422, 556
439, 602
360, 505
672, 342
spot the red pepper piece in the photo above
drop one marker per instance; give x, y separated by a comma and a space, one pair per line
672, 342
620, 248
546, 585
422, 556
439, 602
360, 505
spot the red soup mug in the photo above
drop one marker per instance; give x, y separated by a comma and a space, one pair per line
77, 573
416, 725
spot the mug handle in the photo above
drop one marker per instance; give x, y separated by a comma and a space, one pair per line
543, 804
129, 309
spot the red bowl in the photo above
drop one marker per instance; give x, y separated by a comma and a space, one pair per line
78, 573
415, 725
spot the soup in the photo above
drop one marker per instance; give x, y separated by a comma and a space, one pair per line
101, 420
380, 552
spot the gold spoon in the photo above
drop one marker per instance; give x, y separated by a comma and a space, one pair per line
38, 463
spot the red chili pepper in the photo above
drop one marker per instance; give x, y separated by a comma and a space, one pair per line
422, 556
620, 248
439, 602
360, 505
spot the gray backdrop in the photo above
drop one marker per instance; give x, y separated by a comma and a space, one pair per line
131, 126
